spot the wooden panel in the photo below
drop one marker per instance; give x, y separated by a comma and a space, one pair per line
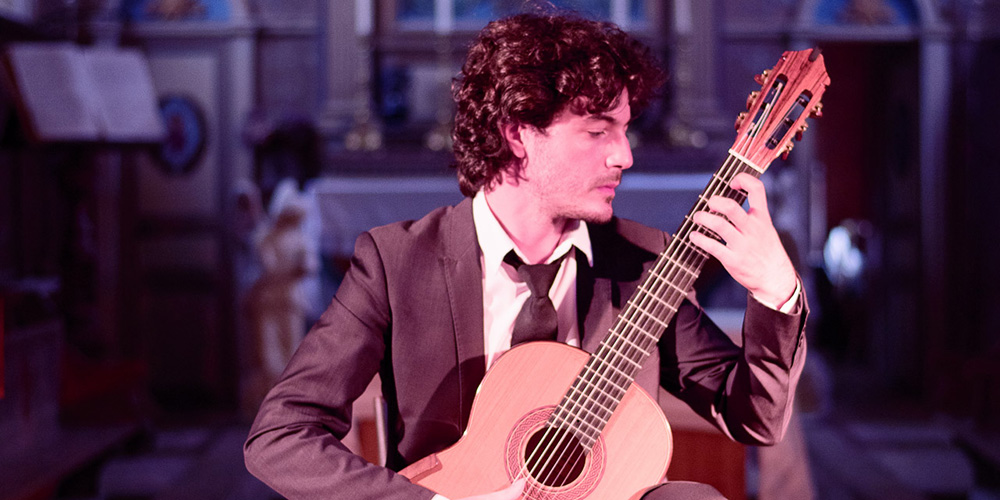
192, 72
711, 458
2, 386
30, 409
189, 362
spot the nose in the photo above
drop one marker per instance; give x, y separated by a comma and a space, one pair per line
620, 155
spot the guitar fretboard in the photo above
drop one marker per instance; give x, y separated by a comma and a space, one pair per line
601, 384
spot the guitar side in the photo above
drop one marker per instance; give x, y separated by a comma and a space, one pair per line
513, 401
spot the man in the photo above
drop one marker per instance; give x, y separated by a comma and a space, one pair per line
543, 105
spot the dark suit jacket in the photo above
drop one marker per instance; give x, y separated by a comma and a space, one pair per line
411, 309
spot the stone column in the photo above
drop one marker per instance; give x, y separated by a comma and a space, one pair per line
696, 120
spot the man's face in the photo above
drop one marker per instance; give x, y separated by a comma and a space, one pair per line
573, 167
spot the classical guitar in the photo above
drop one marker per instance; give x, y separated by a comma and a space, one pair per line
573, 423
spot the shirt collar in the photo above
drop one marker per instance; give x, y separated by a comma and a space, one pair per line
495, 243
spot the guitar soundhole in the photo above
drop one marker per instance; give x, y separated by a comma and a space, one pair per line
554, 457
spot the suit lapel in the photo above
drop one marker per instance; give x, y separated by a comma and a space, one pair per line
598, 297
463, 276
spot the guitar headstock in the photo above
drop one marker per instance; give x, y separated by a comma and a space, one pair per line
776, 114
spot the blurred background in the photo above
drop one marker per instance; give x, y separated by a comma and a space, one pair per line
182, 181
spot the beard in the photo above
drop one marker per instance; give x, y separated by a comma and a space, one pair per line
587, 206
591, 215
601, 217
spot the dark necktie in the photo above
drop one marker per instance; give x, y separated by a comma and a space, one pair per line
537, 319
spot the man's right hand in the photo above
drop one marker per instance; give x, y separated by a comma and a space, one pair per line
512, 492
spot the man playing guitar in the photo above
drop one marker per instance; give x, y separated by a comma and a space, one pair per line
543, 106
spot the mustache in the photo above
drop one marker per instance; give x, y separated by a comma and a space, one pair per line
615, 178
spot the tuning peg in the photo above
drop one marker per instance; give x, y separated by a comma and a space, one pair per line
739, 120
788, 149
752, 98
761, 78
817, 110
800, 131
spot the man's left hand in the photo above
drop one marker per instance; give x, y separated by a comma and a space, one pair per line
752, 252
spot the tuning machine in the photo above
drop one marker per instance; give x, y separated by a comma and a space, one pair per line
739, 120
787, 150
800, 131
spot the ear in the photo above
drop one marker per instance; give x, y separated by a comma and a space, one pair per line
512, 133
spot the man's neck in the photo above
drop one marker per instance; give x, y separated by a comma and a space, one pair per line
533, 233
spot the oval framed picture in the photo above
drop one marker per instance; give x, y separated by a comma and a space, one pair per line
184, 143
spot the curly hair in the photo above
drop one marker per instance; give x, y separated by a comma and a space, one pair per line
526, 69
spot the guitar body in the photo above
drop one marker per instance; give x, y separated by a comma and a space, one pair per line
512, 405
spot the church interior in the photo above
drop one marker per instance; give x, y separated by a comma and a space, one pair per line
182, 183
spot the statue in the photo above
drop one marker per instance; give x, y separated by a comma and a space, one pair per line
277, 306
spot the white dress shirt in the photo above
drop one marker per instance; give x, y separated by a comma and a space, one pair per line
504, 293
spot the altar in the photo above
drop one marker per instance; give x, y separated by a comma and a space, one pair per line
348, 206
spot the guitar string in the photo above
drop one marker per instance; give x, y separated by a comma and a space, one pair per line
601, 414
651, 316
639, 317
650, 319
646, 324
619, 339
668, 280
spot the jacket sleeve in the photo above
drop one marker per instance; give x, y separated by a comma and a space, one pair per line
295, 444
746, 391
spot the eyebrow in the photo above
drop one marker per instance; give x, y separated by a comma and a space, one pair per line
602, 117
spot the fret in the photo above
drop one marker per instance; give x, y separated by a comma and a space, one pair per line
593, 386
717, 177
727, 192
704, 230
580, 392
667, 282
633, 344
745, 161
682, 267
584, 435
616, 330
690, 246
625, 320
658, 320
578, 405
573, 424
625, 357
615, 368
593, 371
702, 200
628, 347
657, 298
645, 314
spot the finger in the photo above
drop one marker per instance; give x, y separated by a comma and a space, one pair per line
756, 195
513, 492
729, 208
725, 229
710, 246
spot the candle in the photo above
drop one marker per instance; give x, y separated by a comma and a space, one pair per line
444, 16
363, 13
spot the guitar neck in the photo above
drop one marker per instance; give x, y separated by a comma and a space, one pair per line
790, 93
602, 383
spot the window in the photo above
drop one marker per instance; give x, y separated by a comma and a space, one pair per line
462, 15
419, 46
